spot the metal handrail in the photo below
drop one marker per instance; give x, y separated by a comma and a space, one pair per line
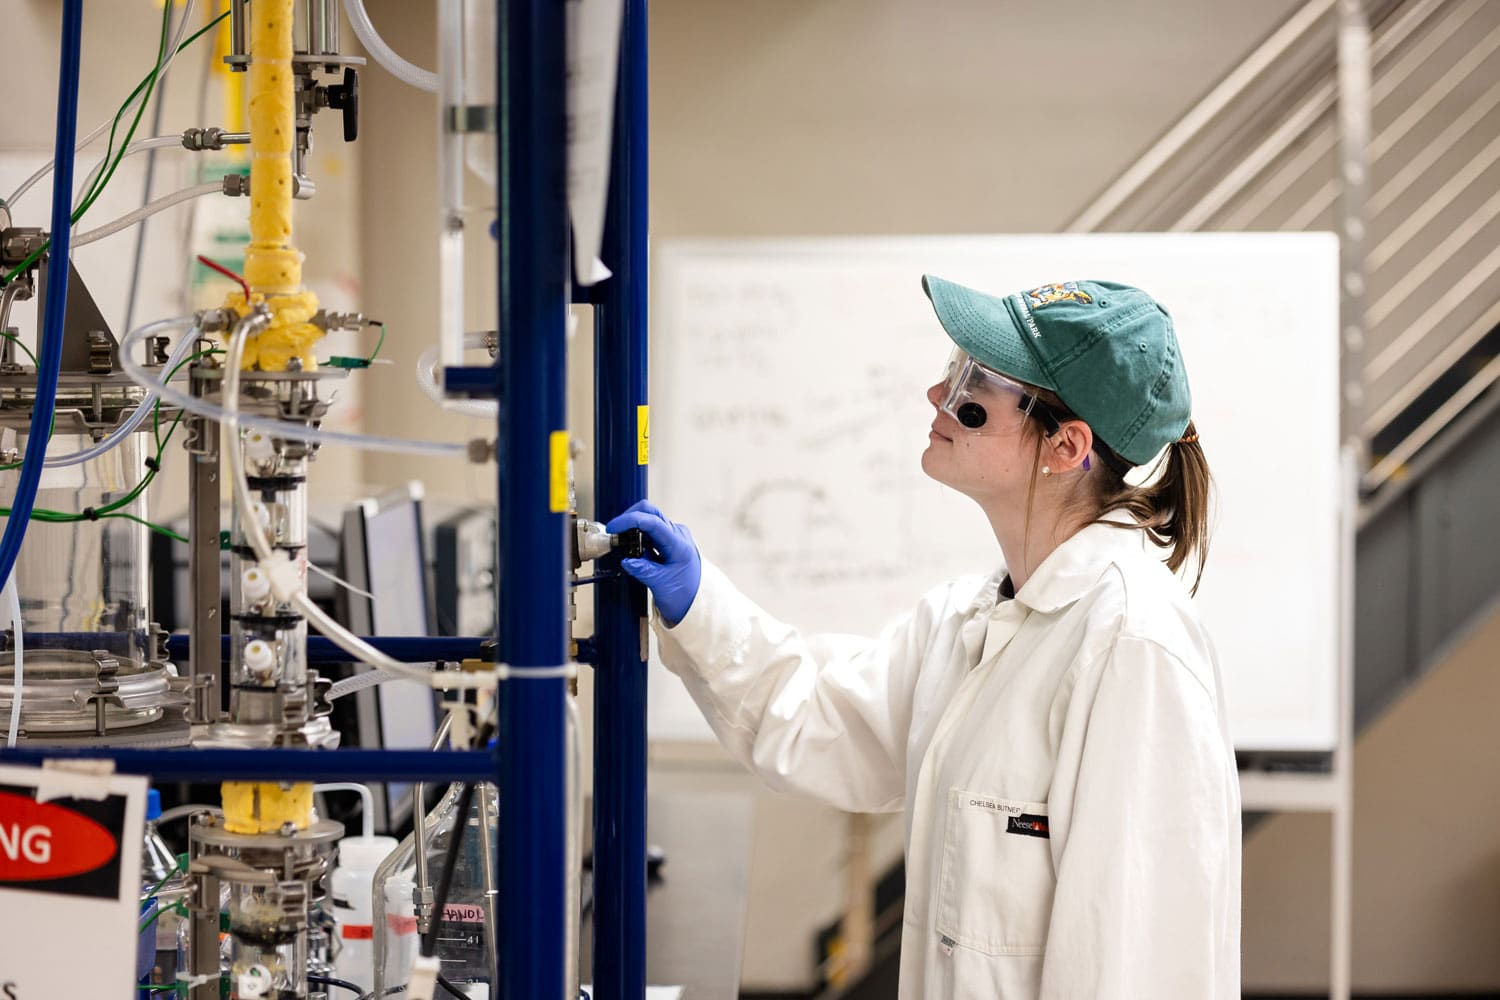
1455, 294
1324, 197
1316, 106
1430, 428
1206, 111
1434, 369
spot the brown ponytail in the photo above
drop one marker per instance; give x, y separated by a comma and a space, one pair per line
1172, 507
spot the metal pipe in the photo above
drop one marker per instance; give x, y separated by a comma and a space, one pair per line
206, 658
532, 494
238, 28
622, 450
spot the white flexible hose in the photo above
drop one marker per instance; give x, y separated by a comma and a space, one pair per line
82, 144
357, 682
260, 544
146, 211
177, 812
383, 54
427, 380
367, 798
280, 428
13, 599
120, 433
139, 146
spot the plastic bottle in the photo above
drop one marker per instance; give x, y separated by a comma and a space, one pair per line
466, 927
350, 887
159, 872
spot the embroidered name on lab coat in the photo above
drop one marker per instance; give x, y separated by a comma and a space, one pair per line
1003, 807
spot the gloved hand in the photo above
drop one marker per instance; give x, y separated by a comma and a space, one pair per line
673, 581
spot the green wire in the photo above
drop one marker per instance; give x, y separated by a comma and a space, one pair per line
24, 349
112, 509
149, 85
378, 345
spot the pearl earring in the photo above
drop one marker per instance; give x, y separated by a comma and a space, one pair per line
1046, 470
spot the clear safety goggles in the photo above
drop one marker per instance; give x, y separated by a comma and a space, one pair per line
986, 402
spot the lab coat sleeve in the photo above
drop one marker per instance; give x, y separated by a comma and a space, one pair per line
821, 715
1145, 836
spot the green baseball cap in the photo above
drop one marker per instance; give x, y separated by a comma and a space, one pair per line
1106, 349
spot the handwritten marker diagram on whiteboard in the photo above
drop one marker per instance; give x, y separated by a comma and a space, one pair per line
788, 384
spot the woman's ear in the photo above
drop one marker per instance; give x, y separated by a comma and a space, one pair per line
1070, 446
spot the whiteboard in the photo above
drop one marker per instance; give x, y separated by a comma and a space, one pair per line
789, 417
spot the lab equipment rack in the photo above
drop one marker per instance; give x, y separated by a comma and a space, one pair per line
529, 380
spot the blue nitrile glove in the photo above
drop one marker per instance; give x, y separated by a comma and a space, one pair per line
673, 581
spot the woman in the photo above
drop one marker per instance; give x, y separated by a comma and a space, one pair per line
1056, 732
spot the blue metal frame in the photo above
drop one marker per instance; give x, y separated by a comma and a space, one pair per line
529, 379
533, 520
620, 390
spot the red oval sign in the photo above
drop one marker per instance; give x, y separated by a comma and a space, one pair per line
41, 840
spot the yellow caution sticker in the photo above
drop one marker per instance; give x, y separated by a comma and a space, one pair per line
559, 485
643, 435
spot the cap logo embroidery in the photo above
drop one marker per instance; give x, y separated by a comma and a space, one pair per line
1067, 291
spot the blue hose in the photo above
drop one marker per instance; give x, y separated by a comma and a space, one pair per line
56, 302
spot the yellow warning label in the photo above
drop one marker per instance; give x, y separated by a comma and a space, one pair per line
559, 486
643, 435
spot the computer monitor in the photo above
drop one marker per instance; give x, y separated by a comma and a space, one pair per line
383, 552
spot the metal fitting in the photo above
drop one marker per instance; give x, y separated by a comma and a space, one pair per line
481, 451
199, 139
325, 320
215, 320
237, 185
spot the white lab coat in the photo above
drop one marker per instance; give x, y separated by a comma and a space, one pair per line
1063, 759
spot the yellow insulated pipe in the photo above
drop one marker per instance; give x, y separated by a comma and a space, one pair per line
273, 267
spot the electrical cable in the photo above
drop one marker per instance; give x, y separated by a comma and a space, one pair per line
271, 425
139, 146
450, 865
330, 981
276, 564
57, 293
146, 211
149, 404
383, 54
146, 85
18, 672
86, 141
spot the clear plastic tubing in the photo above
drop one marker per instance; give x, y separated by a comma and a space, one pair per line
120, 433
427, 379
366, 797
82, 144
382, 53
282, 429
146, 211
13, 600
139, 146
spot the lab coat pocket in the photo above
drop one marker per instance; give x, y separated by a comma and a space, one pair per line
997, 882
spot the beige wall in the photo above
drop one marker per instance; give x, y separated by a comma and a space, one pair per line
1426, 848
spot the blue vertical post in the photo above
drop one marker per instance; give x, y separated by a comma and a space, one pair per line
622, 441
533, 500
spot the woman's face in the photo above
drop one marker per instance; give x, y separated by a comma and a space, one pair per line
989, 462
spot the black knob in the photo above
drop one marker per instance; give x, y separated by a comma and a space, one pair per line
345, 97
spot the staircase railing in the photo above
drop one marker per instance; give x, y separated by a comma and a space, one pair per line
1260, 152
